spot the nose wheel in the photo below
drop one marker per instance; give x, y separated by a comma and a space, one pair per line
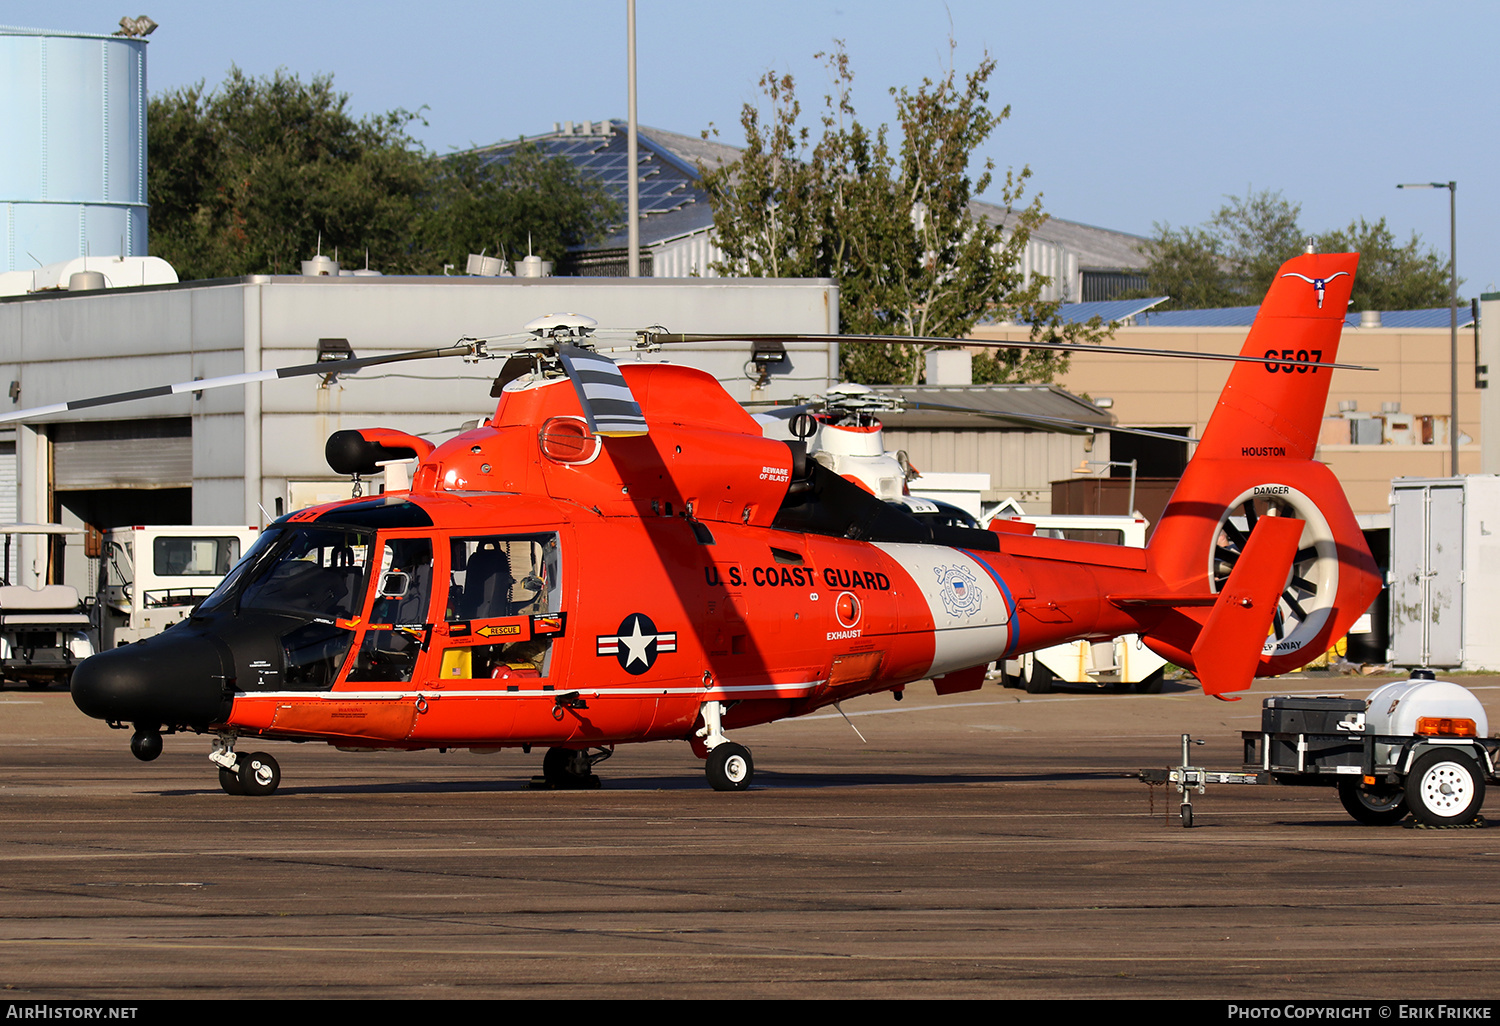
253, 775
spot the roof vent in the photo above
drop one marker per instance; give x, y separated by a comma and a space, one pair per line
531, 266
1369, 319
483, 266
85, 281
320, 266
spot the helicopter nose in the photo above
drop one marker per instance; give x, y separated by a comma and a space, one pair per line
169, 679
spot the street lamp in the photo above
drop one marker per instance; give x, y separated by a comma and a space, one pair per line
1452, 188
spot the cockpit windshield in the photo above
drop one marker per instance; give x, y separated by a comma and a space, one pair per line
303, 570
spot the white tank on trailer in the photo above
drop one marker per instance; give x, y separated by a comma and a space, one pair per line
1397, 708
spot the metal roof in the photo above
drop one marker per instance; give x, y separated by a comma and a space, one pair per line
1110, 310
1017, 399
1095, 247
1217, 317
671, 202
1438, 318
1244, 316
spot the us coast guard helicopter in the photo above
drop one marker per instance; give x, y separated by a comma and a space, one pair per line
620, 555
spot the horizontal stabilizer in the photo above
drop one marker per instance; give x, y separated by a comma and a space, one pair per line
1229, 647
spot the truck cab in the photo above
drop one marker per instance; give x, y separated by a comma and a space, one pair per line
151, 577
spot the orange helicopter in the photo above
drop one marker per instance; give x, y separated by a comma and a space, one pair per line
620, 555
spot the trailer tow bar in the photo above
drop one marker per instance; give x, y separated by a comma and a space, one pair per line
1187, 777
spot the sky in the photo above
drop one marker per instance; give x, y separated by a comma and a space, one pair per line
1128, 115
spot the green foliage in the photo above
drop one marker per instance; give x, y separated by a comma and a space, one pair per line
526, 200
249, 178
894, 227
1233, 258
1390, 276
1260, 233
244, 179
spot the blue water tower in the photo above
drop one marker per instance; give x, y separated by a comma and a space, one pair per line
73, 160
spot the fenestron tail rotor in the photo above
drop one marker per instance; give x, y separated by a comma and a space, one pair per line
1303, 605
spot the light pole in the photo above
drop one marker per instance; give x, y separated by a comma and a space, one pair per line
1452, 188
1083, 468
632, 154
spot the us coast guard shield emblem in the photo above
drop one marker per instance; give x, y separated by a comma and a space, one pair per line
958, 589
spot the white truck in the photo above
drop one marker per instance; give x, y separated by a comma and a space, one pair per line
151, 577
1123, 663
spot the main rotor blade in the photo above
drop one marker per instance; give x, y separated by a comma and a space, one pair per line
1028, 418
1061, 347
467, 347
608, 404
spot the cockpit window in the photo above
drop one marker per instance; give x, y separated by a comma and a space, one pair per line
316, 572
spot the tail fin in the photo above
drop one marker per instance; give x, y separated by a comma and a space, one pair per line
1254, 461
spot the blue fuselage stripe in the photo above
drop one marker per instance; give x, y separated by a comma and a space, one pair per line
1013, 633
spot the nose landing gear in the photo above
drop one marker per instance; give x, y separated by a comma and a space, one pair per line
255, 775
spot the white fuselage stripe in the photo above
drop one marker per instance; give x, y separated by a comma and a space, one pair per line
395, 696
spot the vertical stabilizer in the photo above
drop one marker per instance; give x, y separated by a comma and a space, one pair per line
1256, 462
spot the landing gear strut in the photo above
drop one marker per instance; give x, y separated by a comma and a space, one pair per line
729, 765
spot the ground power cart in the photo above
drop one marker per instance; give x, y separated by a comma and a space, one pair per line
1418, 746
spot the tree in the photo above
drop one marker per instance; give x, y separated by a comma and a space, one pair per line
248, 178
525, 202
895, 229
1260, 233
252, 177
1390, 277
1233, 258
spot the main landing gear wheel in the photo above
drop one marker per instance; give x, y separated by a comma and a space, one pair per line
568, 768
730, 767
1444, 789
1385, 807
259, 774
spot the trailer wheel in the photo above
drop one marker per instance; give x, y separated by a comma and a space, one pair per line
1384, 807
1444, 789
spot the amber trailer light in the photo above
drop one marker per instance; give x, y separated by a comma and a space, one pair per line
1446, 726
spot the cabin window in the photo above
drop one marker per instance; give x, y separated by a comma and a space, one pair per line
497, 576
514, 662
